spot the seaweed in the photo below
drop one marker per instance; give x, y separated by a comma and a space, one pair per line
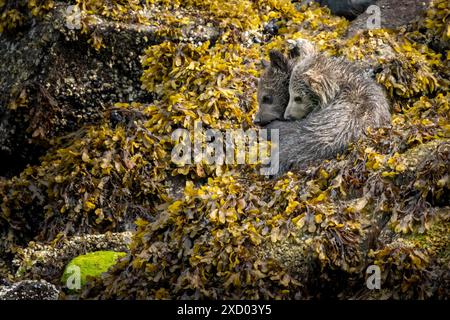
232, 233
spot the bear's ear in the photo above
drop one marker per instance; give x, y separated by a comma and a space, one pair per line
278, 60
301, 48
325, 88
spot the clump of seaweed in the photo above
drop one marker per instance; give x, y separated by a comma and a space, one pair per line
14, 14
128, 157
201, 82
406, 68
437, 24
104, 177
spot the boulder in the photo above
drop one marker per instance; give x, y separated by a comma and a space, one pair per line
29, 290
40, 261
393, 15
53, 81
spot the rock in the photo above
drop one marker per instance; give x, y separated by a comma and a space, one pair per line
393, 15
271, 27
29, 290
4, 282
347, 8
53, 81
309, 235
293, 255
47, 262
90, 265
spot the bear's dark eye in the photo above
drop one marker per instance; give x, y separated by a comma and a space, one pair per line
298, 99
267, 99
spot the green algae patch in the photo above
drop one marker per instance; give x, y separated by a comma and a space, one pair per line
90, 265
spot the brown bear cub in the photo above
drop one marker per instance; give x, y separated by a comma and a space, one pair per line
330, 103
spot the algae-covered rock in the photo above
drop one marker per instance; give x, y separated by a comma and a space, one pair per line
41, 261
90, 265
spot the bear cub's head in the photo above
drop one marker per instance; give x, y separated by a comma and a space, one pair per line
274, 85
273, 89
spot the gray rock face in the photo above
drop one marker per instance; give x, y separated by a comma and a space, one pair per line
53, 81
393, 14
347, 8
29, 290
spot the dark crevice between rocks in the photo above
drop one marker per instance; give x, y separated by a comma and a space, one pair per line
14, 164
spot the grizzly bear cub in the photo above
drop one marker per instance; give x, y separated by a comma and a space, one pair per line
273, 86
330, 103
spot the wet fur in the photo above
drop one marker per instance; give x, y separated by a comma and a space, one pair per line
344, 103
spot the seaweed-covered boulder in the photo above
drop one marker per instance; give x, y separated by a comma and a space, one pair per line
64, 69
106, 174
297, 241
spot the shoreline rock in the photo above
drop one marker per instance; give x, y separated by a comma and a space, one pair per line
29, 290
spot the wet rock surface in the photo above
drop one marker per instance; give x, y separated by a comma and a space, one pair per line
393, 15
29, 290
347, 8
54, 82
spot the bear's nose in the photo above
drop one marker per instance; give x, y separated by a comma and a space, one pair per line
257, 120
288, 117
